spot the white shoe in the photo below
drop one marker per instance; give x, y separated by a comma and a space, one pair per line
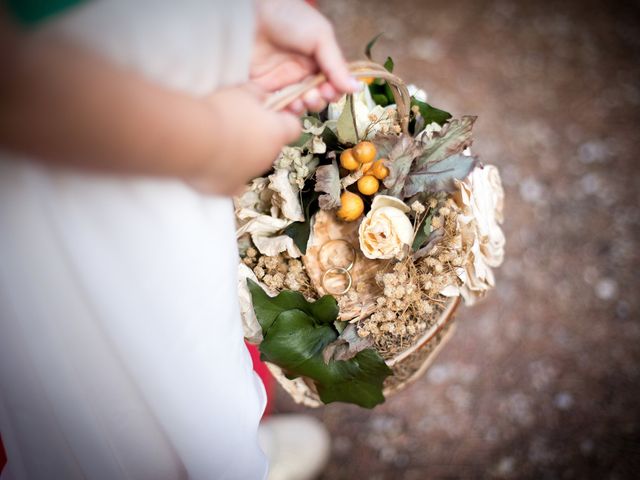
297, 446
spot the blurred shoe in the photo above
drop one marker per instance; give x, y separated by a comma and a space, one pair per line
297, 446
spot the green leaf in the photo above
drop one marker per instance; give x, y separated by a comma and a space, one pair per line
267, 308
330, 139
340, 326
300, 231
388, 64
429, 113
295, 342
380, 99
302, 140
357, 381
381, 93
345, 124
423, 233
372, 42
295, 334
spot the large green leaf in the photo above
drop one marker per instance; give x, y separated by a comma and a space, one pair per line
295, 334
267, 308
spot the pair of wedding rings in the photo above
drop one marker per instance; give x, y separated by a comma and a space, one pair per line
336, 278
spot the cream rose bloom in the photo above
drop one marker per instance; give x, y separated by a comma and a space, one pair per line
481, 199
386, 229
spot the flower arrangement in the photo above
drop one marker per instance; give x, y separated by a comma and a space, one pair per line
360, 242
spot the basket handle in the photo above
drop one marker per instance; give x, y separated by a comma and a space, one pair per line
359, 69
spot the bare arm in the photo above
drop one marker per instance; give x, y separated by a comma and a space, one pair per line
69, 107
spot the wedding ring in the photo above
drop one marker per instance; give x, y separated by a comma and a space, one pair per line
331, 252
337, 271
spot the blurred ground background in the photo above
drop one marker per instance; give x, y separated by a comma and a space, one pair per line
542, 379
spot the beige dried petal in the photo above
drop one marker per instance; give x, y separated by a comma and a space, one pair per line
250, 325
480, 198
287, 196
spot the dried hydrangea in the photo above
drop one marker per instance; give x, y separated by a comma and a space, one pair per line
280, 272
300, 165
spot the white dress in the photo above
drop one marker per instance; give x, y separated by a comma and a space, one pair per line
121, 348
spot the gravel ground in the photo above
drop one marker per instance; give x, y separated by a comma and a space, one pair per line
541, 379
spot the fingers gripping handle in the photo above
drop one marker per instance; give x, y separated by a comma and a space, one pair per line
360, 69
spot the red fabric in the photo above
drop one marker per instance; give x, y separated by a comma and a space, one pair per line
3, 456
264, 374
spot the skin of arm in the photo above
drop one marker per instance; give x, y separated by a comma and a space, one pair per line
68, 107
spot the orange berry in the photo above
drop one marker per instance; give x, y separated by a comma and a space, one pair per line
379, 170
348, 161
364, 152
368, 185
351, 208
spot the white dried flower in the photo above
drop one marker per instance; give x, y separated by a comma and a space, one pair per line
480, 198
418, 207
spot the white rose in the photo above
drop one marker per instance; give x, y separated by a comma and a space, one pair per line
386, 229
481, 198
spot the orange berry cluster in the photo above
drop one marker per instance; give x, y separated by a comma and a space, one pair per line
361, 157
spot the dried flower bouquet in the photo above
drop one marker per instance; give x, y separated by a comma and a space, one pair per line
358, 245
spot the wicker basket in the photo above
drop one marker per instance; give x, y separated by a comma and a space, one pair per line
413, 361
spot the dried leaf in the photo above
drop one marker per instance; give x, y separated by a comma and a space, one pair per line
287, 196
434, 238
439, 176
250, 326
328, 182
272, 246
347, 345
351, 178
300, 231
400, 152
453, 138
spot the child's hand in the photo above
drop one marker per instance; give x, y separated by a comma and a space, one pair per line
248, 138
294, 40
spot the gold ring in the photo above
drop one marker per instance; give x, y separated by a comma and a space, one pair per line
337, 270
334, 242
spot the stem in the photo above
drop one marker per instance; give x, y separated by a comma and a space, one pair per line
353, 116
